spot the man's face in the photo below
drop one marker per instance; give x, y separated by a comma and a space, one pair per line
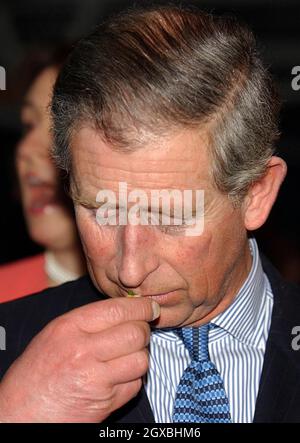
200, 275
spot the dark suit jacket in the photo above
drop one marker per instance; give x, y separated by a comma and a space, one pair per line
279, 391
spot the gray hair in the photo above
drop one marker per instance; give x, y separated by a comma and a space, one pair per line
146, 72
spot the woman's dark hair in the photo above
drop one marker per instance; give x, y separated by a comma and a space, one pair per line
35, 62
38, 59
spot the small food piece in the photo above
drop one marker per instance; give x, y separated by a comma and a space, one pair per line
132, 294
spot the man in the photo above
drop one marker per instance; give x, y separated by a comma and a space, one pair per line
162, 99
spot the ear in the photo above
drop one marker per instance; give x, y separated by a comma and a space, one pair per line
263, 193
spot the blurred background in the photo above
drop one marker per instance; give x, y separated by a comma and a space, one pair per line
32, 25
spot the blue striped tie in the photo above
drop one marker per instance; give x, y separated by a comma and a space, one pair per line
200, 395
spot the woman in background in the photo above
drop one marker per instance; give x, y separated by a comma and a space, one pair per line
47, 210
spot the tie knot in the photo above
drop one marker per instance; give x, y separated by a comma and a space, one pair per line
196, 341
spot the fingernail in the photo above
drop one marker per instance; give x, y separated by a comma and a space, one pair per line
155, 309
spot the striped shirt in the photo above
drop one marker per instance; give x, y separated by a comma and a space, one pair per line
237, 342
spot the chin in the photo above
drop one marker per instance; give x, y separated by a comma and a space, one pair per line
55, 233
50, 240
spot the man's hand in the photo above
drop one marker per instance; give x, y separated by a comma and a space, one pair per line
82, 366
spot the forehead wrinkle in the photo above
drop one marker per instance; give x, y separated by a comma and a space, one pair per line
91, 184
102, 171
92, 203
97, 145
168, 165
138, 166
112, 184
95, 165
93, 173
108, 171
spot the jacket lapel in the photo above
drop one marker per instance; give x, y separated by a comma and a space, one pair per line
279, 375
276, 385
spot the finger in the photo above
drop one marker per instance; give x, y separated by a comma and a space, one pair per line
127, 368
119, 340
100, 315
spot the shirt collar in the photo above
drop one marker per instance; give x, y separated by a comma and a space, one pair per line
241, 318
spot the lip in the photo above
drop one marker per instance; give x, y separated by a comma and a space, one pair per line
163, 298
33, 179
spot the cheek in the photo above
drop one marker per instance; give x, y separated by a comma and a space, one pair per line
190, 259
198, 248
21, 170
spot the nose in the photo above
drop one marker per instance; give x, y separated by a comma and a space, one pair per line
24, 150
137, 258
